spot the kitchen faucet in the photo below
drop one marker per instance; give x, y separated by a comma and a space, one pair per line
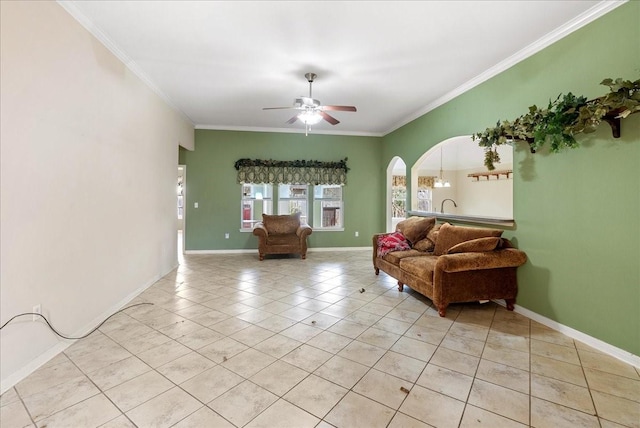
442, 204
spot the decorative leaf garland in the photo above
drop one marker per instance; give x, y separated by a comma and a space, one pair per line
563, 118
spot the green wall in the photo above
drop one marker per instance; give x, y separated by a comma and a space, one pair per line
211, 181
577, 213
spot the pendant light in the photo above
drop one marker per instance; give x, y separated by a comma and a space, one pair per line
441, 182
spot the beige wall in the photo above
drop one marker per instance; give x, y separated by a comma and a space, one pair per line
492, 198
88, 173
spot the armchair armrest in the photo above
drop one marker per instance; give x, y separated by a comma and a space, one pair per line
304, 230
459, 262
260, 230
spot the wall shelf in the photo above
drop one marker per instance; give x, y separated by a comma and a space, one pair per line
488, 174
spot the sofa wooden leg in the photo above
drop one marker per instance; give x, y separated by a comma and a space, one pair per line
303, 256
510, 304
400, 286
442, 311
261, 257
377, 271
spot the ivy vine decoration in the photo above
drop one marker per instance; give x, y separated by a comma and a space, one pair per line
563, 118
342, 164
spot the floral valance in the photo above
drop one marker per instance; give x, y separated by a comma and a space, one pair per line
426, 182
291, 172
423, 181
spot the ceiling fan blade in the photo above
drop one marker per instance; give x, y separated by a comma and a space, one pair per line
332, 120
339, 108
293, 119
278, 108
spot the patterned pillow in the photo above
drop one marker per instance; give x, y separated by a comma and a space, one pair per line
281, 224
392, 242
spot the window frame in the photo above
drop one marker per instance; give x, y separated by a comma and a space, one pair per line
320, 220
304, 216
250, 198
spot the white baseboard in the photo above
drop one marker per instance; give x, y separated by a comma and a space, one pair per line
255, 250
621, 354
337, 249
33, 365
63, 344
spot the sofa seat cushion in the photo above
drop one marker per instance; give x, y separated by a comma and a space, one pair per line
422, 267
281, 224
450, 235
416, 228
290, 239
394, 257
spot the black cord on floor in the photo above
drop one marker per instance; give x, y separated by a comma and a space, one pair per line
68, 337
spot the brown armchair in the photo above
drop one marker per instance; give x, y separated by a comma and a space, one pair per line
282, 234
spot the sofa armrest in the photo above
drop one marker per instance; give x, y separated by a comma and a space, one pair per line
304, 230
459, 262
260, 230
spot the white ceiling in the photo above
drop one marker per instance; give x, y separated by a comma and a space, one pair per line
220, 63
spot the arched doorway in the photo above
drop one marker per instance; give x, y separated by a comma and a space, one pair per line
396, 192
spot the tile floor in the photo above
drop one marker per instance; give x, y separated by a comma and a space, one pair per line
233, 342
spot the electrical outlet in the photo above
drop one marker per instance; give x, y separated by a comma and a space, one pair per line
37, 309
226, 236
357, 234
195, 205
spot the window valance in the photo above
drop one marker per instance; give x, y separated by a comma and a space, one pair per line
424, 182
291, 172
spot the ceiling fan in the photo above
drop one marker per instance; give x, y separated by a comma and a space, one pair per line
311, 111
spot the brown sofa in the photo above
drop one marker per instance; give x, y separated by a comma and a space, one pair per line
451, 264
282, 234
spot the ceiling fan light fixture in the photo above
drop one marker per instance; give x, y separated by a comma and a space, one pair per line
309, 117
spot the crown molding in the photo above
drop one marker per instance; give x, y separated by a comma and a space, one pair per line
288, 130
600, 9
72, 10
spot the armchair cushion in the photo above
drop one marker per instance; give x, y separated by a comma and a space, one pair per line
281, 224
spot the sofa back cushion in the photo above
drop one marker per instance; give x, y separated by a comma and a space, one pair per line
429, 242
450, 235
281, 224
416, 228
478, 245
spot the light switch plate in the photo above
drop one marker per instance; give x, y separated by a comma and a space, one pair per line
195, 205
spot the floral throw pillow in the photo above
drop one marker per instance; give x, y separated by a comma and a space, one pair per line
392, 242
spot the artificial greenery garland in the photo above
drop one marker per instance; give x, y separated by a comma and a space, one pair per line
563, 118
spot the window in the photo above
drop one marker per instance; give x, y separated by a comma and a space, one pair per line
293, 198
424, 199
398, 201
327, 207
256, 200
